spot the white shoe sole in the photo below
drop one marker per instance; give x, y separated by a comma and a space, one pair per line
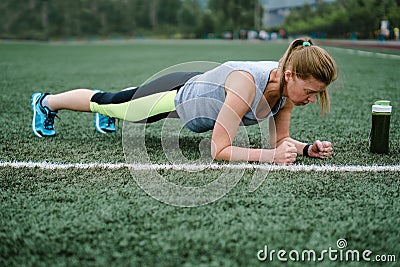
97, 123
33, 104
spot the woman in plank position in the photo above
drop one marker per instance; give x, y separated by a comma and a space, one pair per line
234, 93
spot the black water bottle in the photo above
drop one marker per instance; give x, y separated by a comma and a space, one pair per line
379, 136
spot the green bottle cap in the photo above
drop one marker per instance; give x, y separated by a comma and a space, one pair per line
382, 106
383, 102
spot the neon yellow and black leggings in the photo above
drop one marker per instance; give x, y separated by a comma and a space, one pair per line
147, 103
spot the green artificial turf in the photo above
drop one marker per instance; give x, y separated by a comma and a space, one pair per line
101, 217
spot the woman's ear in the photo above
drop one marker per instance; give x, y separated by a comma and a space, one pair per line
288, 75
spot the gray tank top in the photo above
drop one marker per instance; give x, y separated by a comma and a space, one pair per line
200, 99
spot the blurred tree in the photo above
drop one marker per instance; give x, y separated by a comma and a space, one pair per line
343, 17
153, 10
42, 19
168, 13
234, 15
207, 23
189, 17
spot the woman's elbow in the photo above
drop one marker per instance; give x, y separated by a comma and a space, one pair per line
216, 152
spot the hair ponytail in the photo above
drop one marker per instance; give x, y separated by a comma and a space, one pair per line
307, 60
295, 44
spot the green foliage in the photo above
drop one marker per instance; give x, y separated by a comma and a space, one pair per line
39, 19
233, 15
45, 19
59, 18
189, 17
343, 17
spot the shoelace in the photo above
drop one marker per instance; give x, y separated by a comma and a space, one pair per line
105, 120
110, 121
49, 121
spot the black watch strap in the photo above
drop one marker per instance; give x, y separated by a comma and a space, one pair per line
305, 149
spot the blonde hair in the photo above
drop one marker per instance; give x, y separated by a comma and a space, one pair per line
307, 60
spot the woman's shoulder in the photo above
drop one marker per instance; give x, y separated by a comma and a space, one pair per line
253, 67
250, 62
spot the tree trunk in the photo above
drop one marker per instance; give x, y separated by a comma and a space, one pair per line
32, 4
153, 13
257, 19
45, 18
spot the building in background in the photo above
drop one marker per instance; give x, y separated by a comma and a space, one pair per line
275, 11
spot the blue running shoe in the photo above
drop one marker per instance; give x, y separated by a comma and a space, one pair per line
43, 117
104, 124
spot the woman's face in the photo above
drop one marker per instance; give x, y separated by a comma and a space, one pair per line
302, 92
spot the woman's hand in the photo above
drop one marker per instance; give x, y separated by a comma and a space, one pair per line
285, 153
320, 149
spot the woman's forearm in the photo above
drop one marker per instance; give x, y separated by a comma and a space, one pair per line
234, 153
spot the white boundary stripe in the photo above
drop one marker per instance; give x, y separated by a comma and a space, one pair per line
200, 167
366, 53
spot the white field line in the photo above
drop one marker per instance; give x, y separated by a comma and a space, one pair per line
200, 167
366, 53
